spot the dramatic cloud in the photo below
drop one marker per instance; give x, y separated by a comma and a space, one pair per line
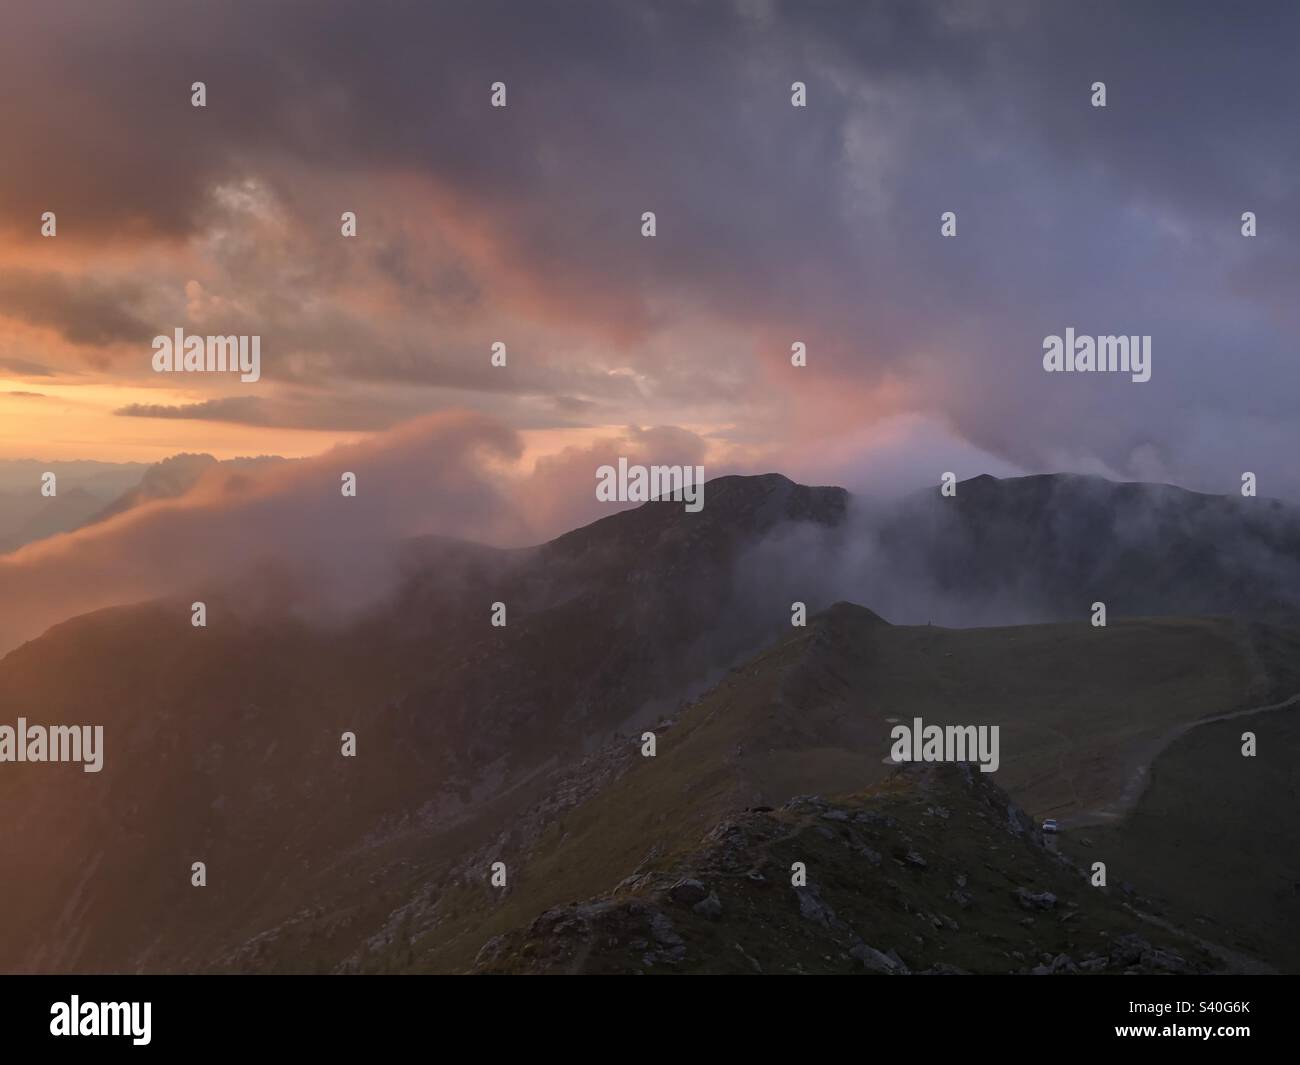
246, 410
455, 474
83, 311
426, 477
25, 368
775, 224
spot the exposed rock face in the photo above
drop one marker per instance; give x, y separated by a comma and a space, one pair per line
688, 892
1043, 900
734, 902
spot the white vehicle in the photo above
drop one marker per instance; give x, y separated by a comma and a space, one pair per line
1050, 825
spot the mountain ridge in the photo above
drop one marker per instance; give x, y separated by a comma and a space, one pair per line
224, 742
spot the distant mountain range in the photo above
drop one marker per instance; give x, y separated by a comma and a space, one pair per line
1048, 547
91, 492
522, 744
26, 515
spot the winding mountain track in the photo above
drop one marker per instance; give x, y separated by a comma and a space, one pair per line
1139, 773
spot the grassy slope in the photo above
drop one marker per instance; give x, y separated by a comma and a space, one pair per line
956, 906
810, 716
1215, 837
241, 768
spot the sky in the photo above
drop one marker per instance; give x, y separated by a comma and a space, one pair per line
774, 224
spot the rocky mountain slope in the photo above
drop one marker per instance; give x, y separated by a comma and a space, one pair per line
812, 715
223, 743
520, 744
934, 871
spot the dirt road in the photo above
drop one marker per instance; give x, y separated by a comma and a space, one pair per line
1138, 771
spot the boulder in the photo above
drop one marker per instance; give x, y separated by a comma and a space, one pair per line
688, 892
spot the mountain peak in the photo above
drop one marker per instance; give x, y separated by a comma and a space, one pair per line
735, 507
846, 613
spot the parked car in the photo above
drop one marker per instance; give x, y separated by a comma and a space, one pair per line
1050, 825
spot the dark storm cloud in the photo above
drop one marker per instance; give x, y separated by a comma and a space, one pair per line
243, 410
25, 368
82, 310
285, 410
818, 223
